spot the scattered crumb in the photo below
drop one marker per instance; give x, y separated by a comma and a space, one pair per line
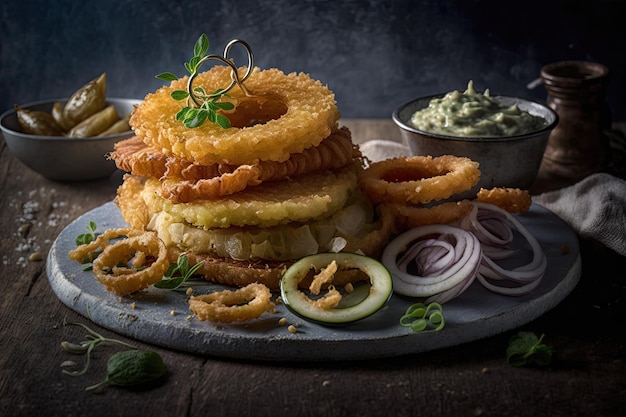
282, 321
325, 383
189, 291
485, 370
133, 305
292, 328
35, 256
172, 313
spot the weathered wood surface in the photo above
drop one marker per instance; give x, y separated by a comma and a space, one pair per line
588, 331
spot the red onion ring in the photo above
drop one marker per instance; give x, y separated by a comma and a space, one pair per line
516, 281
446, 260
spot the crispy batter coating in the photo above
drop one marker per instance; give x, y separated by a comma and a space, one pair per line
301, 199
229, 306
311, 115
183, 181
419, 179
410, 215
513, 200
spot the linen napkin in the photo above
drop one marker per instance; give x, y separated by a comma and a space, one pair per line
595, 207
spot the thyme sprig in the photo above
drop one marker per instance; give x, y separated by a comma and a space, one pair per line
202, 106
126, 368
178, 274
85, 347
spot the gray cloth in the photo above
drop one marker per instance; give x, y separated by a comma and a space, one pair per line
595, 207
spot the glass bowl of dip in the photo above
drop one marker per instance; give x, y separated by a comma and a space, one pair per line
509, 153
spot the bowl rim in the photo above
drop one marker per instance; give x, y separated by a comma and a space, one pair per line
403, 125
32, 137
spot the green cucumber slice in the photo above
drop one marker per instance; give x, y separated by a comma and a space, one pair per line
366, 299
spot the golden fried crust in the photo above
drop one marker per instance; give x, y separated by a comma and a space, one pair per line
183, 181
235, 273
311, 115
513, 200
133, 208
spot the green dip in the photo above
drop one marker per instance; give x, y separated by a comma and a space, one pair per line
471, 114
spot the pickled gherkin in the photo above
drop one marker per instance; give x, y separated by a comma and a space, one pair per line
37, 122
86, 114
95, 124
86, 101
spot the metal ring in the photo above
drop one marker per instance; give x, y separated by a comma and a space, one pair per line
236, 79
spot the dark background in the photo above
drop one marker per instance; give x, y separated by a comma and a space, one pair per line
374, 55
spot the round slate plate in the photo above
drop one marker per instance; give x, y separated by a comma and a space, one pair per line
161, 317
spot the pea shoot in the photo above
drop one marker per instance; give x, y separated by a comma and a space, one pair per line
420, 317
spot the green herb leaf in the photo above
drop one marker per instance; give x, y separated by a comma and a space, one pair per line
178, 274
88, 237
525, 348
201, 46
92, 340
166, 76
179, 95
194, 117
133, 367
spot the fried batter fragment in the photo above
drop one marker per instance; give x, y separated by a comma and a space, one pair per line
513, 200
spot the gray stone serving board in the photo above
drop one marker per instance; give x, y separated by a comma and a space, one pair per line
476, 314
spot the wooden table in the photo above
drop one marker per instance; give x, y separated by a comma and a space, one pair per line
588, 330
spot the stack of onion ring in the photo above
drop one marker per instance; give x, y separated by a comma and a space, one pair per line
184, 181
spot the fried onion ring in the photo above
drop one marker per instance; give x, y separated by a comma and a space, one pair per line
336, 151
299, 200
513, 200
122, 280
311, 115
86, 252
229, 306
418, 179
413, 216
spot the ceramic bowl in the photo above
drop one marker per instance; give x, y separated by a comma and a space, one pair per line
61, 158
510, 161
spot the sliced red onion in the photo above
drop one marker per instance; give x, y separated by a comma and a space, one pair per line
446, 260
516, 281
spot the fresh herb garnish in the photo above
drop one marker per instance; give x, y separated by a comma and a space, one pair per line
178, 274
525, 348
90, 236
420, 317
132, 368
126, 368
193, 116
